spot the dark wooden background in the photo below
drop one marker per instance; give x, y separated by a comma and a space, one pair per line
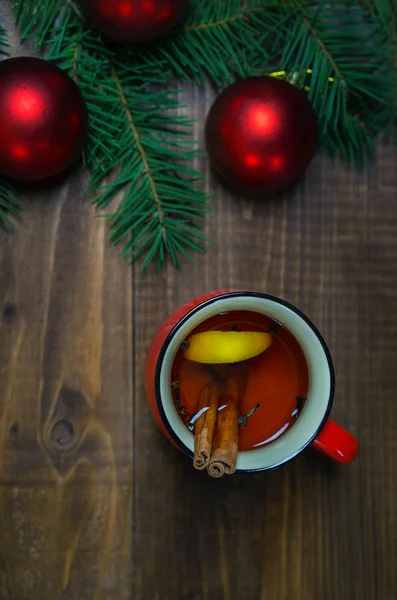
94, 503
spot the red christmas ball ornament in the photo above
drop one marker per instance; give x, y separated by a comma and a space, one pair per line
261, 134
134, 20
43, 119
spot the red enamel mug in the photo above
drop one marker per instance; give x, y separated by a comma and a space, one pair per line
313, 426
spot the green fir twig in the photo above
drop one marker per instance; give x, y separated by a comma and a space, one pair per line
222, 40
161, 197
3, 43
140, 151
342, 54
336, 52
9, 205
385, 11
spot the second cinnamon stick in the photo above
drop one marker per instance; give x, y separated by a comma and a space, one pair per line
207, 408
225, 445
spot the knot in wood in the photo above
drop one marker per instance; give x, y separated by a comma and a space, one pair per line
9, 313
14, 429
62, 433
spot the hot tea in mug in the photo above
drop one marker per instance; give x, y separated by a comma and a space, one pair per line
268, 406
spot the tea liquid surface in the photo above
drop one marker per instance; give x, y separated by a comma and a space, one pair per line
278, 379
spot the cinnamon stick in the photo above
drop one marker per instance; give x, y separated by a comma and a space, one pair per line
204, 427
225, 445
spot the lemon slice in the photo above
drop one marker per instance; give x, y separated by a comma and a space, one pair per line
215, 347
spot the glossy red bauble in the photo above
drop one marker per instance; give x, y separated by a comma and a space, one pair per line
261, 134
43, 119
134, 20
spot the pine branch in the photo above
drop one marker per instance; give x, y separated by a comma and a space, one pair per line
144, 157
222, 40
3, 42
337, 53
9, 206
36, 18
385, 11
161, 198
137, 140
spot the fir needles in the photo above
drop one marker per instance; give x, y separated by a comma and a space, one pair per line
140, 152
140, 149
9, 206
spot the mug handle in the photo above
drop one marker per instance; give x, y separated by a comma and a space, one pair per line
337, 443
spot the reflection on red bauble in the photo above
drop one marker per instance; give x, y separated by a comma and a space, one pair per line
261, 134
43, 119
134, 20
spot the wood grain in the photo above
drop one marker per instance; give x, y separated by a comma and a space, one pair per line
66, 401
65, 398
79, 453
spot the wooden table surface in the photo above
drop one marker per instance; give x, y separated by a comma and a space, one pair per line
94, 502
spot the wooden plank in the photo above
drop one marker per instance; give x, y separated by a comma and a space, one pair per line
311, 529
65, 404
65, 398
